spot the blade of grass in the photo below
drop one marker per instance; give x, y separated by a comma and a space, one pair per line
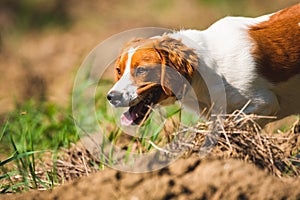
31, 163
18, 156
3, 130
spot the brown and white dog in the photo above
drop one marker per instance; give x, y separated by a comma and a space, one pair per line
257, 58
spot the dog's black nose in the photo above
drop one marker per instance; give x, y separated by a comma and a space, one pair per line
114, 97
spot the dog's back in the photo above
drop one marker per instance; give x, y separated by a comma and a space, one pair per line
259, 59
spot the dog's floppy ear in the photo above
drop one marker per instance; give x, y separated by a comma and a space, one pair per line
178, 65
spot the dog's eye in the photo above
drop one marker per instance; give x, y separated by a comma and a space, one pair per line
140, 70
118, 71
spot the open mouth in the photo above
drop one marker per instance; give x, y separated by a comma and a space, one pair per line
140, 111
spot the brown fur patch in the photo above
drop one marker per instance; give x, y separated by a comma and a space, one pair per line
176, 57
277, 45
168, 62
120, 65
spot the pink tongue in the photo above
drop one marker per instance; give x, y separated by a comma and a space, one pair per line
126, 119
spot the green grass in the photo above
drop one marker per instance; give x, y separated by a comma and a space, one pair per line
34, 132
27, 134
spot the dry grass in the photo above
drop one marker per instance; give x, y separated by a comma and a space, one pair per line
73, 163
240, 137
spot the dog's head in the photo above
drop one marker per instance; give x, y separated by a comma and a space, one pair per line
148, 72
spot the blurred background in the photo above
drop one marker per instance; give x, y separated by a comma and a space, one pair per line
43, 42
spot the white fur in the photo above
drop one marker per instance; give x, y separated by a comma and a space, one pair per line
225, 47
125, 85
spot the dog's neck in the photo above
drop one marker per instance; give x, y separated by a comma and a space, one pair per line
206, 84
200, 90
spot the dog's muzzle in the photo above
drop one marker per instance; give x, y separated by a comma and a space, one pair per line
116, 99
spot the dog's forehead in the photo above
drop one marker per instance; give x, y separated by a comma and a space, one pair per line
141, 50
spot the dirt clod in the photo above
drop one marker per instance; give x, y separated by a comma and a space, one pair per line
212, 179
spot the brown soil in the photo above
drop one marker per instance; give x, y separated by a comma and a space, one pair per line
184, 179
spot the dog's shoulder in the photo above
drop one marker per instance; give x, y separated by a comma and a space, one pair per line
277, 45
